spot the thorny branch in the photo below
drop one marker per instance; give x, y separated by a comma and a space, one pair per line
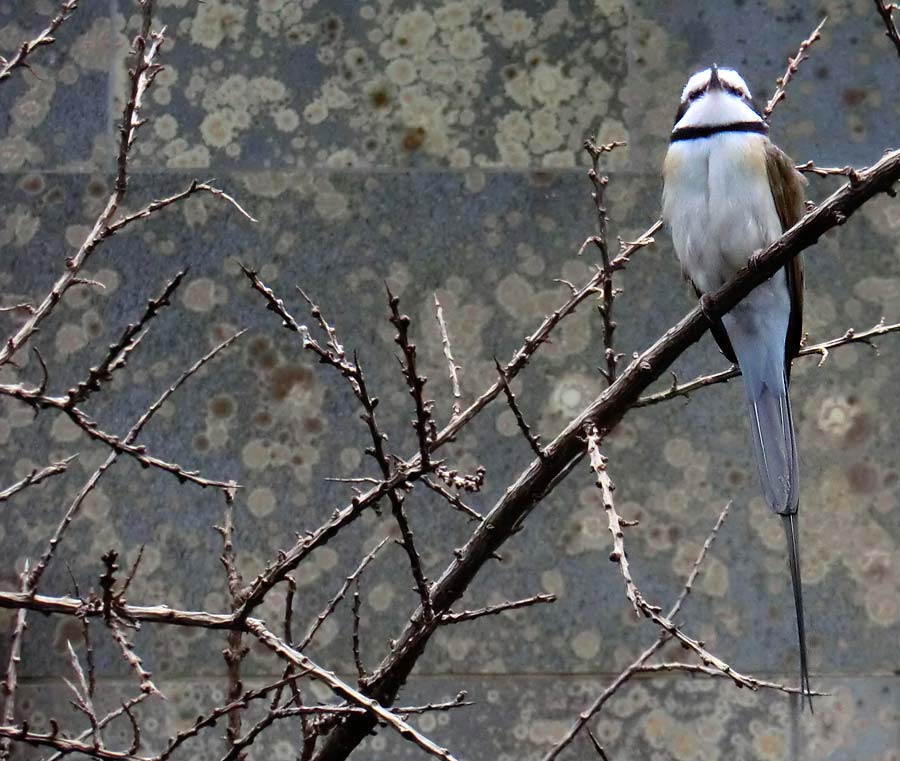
886, 11
601, 241
664, 637
615, 521
19, 60
793, 65
821, 349
452, 368
35, 477
343, 724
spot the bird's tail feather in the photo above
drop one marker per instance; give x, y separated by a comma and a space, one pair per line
793, 541
760, 354
772, 429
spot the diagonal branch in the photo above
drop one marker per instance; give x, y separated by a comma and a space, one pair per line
886, 11
615, 521
373, 708
604, 412
35, 477
533, 441
19, 60
635, 667
793, 65
452, 368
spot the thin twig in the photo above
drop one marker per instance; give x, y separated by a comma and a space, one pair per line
10, 681
886, 11
346, 691
452, 368
615, 521
36, 476
423, 424
333, 602
533, 441
19, 60
492, 610
851, 336
793, 65
453, 499
694, 668
601, 241
132, 434
631, 670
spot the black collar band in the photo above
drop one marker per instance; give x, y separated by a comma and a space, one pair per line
693, 133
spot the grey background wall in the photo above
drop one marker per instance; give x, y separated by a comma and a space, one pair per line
437, 146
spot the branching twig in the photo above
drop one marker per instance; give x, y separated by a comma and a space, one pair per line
601, 241
492, 610
423, 424
633, 669
821, 349
341, 593
615, 521
793, 65
35, 477
130, 437
886, 11
533, 441
19, 60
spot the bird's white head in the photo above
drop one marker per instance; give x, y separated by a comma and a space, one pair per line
715, 97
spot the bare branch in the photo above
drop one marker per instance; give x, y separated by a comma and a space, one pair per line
633, 669
117, 354
793, 65
886, 11
453, 499
533, 441
35, 477
694, 668
154, 206
341, 593
851, 336
379, 712
492, 610
64, 745
601, 241
10, 681
19, 60
423, 425
452, 367
615, 521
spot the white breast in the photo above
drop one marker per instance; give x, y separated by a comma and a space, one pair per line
718, 204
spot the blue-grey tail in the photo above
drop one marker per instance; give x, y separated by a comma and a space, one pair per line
758, 339
793, 541
772, 432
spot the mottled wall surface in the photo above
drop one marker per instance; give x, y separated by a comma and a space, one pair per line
436, 146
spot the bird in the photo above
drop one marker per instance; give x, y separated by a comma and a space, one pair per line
729, 191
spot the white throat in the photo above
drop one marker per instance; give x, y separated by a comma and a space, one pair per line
715, 108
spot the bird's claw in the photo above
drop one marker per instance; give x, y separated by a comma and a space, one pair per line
706, 307
755, 263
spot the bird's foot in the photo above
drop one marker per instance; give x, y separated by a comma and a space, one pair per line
755, 262
706, 306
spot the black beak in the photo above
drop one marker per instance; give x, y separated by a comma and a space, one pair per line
714, 82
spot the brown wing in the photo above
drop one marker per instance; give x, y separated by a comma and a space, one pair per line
787, 186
